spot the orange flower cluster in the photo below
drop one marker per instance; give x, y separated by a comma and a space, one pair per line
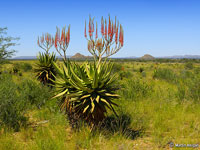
62, 40
107, 32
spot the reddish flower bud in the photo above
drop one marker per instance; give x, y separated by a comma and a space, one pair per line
109, 27
116, 35
102, 26
96, 32
121, 40
68, 35
105, 34
85, 30
56, 40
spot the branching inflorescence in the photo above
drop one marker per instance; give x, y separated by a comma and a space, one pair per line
62, 42
45, 42
110, 43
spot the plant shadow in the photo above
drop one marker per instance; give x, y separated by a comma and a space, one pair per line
121, 125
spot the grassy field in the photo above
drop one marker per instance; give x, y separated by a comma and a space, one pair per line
159, 104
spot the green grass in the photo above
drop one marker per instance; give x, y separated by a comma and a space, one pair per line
159, 109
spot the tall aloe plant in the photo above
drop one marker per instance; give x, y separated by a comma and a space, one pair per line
88, 90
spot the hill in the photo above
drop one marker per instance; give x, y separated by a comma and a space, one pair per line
80, 56
147, 57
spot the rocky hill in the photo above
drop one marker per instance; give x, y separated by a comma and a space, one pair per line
80, 56
147, 57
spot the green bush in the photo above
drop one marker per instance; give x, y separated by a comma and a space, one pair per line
26, 67
12, 105
189, 65
136, 88
16, 67
165, 74
117, 67
36, 94
141, 69
124, 74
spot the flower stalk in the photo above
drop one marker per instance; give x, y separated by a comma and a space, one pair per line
111, 41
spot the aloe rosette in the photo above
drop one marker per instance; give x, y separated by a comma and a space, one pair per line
88, 90
45, 69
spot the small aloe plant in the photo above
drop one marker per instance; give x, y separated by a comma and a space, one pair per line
44, 67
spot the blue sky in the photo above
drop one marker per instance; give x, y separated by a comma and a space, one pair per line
156, 27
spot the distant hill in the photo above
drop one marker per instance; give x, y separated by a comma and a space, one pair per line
80, 56
182, 57
25, 57
147, 57
31, 57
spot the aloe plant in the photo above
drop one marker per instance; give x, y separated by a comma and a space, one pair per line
88, 90
45, 69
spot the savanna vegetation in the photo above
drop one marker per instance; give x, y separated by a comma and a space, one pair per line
52, 104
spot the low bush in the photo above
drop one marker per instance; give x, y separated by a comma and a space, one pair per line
117, 67
165, 74
26, 67
16, 67
36, 94
124, 74
12, 105
136, 88
189, 65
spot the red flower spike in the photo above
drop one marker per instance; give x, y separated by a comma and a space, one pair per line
90, 28
105, 34
111, 35
96, 32
68, 35
102, 26
66, 38
121, 36
116, 35
109, 27
62, 36
56, 40
85, 31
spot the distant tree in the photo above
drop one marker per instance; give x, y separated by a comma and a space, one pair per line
6, 42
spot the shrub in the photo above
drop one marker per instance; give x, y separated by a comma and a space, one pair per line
26, 67
189, 65
16, 67
136, 88
165, 74
124, 74
36, 94
12, 105
116, 67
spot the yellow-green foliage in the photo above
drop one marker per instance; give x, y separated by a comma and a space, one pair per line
157, 109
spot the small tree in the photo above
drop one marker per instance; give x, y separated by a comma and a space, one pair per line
62, 42
110, 43
5, 43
